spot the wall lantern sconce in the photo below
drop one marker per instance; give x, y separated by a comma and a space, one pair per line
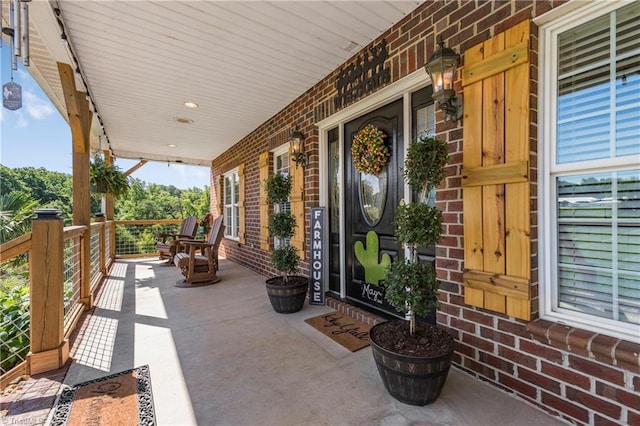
296, 142
441, 67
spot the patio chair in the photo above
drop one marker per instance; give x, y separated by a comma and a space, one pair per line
200, 269
168, 243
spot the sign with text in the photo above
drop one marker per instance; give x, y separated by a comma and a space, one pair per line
12, 96
364, 75
316, 295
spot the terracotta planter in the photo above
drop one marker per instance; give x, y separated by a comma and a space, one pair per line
289, 298
409, 379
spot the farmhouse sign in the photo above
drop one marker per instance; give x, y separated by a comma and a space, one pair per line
363, 76
316, 294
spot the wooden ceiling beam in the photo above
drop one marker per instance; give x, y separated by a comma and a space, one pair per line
136, 167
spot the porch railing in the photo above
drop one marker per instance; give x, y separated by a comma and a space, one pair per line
29, 266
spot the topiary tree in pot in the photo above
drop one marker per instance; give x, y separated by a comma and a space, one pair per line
413, 358
287, 291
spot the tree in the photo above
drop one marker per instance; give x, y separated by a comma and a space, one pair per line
16, 209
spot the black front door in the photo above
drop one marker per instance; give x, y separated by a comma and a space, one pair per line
370, 204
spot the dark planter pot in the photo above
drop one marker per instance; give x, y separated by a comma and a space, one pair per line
289, 298
409, 379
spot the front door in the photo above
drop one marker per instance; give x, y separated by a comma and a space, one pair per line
370, 204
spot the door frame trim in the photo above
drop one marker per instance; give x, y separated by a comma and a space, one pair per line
396, 90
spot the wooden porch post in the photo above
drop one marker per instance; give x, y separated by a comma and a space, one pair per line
110, 211
49, 349
101, 250
80, 122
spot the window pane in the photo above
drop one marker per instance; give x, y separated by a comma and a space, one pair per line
599, 87
236, 188
236, 222
227, 190
599, 244
227, 221
426, 118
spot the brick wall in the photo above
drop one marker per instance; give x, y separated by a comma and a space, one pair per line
578, 375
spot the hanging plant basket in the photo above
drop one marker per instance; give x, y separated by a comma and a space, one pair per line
107, 178
370, 153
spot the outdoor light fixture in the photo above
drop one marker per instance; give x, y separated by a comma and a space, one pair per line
441, 67
296, 142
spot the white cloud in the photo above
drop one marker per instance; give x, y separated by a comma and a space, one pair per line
21, 121
38, 108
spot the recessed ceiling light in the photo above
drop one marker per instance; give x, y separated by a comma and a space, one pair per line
191, 104
171, 145
183, 120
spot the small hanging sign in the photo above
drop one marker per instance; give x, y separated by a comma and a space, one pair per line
12, 96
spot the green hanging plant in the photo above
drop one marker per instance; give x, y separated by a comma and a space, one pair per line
107, 179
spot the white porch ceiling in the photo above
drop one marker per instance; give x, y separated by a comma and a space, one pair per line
240, 61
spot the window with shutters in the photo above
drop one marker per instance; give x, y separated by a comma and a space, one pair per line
231, 193
590, 192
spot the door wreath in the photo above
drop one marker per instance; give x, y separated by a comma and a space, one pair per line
369, 151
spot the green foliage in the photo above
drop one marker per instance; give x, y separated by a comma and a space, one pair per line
151, 201
16, 209
107, 178
278, 188
412, 285
374, 270
49, 189
424, 165
282, 225
285, 259
14, 326
417, 224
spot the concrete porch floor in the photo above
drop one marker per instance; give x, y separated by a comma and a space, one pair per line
221, 355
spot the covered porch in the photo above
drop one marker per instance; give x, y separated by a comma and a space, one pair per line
219, 354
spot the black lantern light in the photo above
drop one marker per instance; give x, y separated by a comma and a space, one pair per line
296, 142
441, 68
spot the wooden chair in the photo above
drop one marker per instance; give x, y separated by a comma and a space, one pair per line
200, 269
168, 243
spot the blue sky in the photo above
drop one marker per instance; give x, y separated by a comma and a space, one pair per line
37, 136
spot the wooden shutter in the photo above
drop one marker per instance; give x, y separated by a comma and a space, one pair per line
265, 170
495, 175
220, 195
241, 205
297, 205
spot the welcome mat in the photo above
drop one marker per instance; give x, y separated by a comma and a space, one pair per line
348, 331
118, 399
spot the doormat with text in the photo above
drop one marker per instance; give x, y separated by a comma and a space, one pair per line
348, 331
118, 399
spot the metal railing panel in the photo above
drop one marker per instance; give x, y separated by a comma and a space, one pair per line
72, 274
138, 237
14, 303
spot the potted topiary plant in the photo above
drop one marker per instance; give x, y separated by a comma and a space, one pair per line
413, 358
107, 178
287, 291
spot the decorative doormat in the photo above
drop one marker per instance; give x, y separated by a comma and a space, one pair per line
123, 398
348, 331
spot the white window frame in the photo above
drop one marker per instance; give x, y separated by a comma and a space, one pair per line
230, 222
551, 25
